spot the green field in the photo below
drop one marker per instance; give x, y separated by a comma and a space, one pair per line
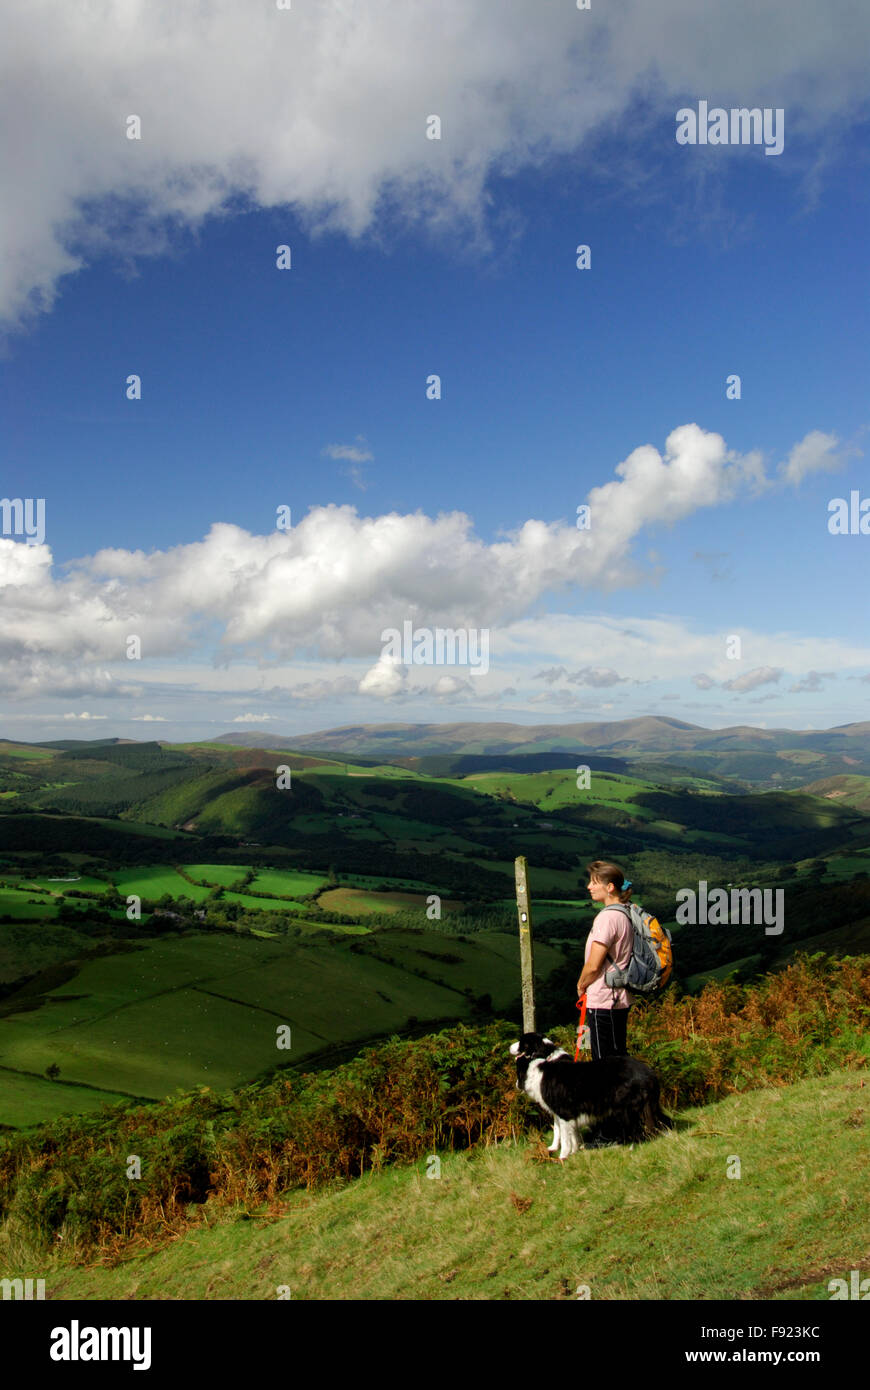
218, 875
33, 1099
203, 1009
25, 952
358, 900
846, 866
83, 884
287, 883
10, 750
16, 903
550, 791
155, 880
252, 904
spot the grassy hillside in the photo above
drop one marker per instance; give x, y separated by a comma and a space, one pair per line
65, 1186
845, 790
204, 1008
659, 1222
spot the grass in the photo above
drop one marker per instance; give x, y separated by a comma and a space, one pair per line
29, 1100
202, 1009
253, 904
61, 884
217, 875
846, 866
17, 903
287, 883
10, 750
155, 880
550, 791
358, 900
660, 1222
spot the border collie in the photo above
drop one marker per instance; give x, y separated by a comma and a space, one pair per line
620, 1093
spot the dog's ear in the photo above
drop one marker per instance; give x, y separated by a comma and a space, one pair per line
514, 1049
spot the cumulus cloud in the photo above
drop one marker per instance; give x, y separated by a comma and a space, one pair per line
85, 715
761, 675
813, 454
696, 470
28, 677
596, 676
588, 675
451, 686
337, 580
251, 718
811, 682
386, 678
348, 451
330, 586
322, 108
148, 719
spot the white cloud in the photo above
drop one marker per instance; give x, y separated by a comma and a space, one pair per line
596, 676
25, 676
813, 454
811, 683
761, 675
348, 451
336, 580
551, 675
451, 686
85, 715
148, 719
251, 718
385, 678
322, 108
327, 589
588, 675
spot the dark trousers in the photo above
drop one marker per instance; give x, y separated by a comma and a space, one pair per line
607, 1032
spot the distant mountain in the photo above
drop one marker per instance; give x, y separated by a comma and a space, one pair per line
775, 759
649, 733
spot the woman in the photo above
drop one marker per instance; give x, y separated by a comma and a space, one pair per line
609, 943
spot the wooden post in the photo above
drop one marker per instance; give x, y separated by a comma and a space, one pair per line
527, 955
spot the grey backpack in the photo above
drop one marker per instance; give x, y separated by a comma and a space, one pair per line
652, 955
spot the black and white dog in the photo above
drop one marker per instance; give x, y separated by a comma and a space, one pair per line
619, 1095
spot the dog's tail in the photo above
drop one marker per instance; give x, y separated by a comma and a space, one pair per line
655, 1121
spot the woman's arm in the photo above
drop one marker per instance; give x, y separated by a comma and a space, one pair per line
593, 967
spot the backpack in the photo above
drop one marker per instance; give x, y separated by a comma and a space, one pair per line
652, 956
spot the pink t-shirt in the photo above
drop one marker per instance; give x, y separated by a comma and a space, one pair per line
613, 929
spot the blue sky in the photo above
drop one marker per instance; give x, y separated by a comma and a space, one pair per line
307, 388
